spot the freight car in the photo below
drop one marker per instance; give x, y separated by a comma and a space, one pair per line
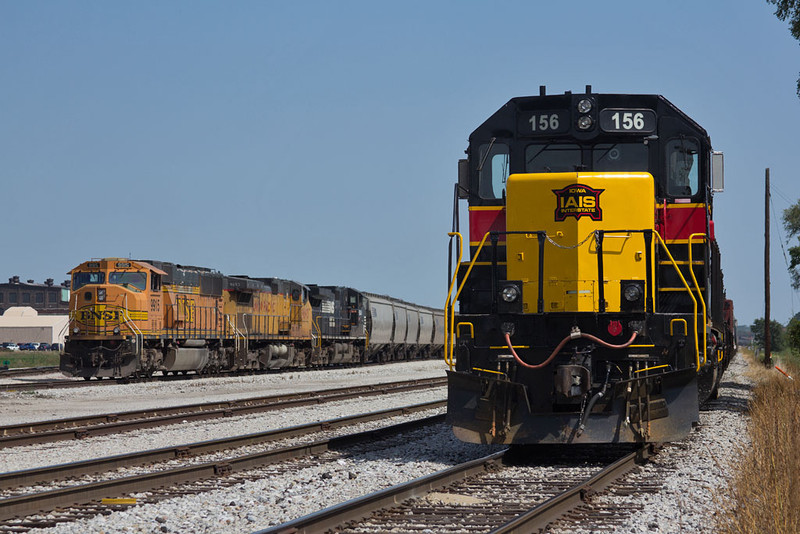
133, 318
591, 309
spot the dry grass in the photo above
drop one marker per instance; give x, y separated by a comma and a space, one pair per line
764, 491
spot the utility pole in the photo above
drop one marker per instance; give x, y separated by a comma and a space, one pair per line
767, 336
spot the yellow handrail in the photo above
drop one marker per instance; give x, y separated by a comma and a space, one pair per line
689, 290
471, 328
651, 368
450, 332
699, 294
450, 310
685, 326
448, 359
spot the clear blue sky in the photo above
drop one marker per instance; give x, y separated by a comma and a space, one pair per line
318, 141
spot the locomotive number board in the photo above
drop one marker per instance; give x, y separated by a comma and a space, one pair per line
543, 122
627, 120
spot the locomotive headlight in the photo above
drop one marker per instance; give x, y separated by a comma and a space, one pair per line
116, 330
584, 105
101, 295
585, 122
510, 293
76, 330
632, 292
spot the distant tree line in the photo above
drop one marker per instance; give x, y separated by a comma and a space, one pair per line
781, 337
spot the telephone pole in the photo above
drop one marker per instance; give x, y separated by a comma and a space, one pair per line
767, 336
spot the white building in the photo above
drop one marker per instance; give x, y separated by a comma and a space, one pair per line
23, 324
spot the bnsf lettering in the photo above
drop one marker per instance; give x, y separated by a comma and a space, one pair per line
105, 315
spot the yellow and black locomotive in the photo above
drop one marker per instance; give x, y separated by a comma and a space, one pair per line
591, 309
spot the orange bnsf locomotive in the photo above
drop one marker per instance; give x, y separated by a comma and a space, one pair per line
591, 309
133, 318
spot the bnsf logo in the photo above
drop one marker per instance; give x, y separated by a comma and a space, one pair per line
88, 315
99, 315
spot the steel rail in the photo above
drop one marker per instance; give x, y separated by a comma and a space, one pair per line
51, 384
41, 475
77, 382
362, 507
547, 512
26, 505
23, 371
97, 425
538, 517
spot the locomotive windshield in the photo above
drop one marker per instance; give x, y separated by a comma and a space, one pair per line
494, 164
620, 157
552, 158
82, 279
137, 280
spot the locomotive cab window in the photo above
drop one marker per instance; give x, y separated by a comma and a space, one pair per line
552, 157
682, 164
493, 170
81, 279
620, 157
137, 280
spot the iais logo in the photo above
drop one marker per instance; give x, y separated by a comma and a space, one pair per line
577, 200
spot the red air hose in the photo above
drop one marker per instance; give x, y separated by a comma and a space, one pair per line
561, 346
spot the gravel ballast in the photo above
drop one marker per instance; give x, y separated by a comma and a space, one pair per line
691, 470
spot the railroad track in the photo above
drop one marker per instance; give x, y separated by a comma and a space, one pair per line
98, 425
66, 382
25, 371
490, 494
18, 513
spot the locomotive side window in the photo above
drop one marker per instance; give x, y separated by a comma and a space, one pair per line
493, 169
155, 282
620, 157
128, 279
81, 279
552, 158
682, 164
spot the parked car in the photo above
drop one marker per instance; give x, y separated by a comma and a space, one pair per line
28, 346
43, 347
10, 346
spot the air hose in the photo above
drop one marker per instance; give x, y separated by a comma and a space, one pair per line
575, 334
597, 396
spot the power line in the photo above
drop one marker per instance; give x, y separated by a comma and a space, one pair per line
780, 194
780, 241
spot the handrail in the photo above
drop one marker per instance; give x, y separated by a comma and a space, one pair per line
685, 326
236, 333
316, 333
471, 328
689, 290
132, 326
699, 294
246, 331
449, 305
448, 358
451, 330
